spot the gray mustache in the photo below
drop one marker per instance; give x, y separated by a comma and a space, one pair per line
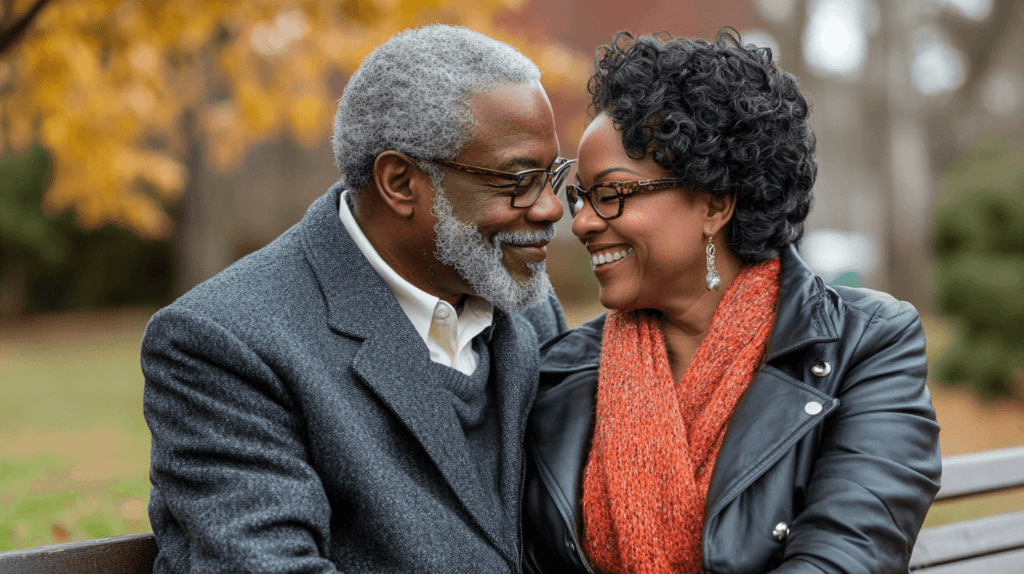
510, 238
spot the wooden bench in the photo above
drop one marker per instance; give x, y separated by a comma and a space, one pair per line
989, 545
130, 554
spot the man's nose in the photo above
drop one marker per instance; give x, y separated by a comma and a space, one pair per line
547, 208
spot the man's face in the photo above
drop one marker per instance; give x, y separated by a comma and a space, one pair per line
497, 249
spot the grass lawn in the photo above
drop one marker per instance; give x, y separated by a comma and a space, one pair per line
74, 448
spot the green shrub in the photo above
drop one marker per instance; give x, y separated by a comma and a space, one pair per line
979, 271
64, 267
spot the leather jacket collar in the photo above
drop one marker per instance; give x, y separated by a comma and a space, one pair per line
803, 317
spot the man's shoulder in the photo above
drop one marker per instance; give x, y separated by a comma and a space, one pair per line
276, 289
278, 275
268, 278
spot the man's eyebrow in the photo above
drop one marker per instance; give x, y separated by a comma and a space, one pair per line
523, 163
518, 162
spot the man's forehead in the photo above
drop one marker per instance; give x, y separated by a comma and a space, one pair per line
513, 128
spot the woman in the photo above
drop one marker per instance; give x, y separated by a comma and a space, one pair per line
730, 414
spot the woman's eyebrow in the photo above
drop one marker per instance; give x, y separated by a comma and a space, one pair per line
614, 169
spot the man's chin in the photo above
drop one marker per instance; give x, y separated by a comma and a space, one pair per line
523, 278
526, 287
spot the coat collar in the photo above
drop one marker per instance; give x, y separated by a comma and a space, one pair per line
802, 318
394, 362
359, 303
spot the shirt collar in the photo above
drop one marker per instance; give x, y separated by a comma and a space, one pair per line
418, 305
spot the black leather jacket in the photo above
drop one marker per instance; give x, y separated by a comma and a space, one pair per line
830, 460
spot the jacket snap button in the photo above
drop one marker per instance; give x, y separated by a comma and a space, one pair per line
569, 544
781, 531
821, 368
812, 408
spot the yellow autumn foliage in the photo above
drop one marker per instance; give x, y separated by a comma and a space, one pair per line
106, 86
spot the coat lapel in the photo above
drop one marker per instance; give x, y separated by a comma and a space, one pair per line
407, 388
392, 360
770, 417
514, 366
768, 420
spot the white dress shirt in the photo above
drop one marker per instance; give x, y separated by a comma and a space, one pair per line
447, 333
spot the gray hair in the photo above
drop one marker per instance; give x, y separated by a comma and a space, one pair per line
412, 95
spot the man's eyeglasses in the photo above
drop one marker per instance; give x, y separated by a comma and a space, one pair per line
527, 185
607, 198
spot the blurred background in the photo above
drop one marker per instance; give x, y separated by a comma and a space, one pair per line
147, 144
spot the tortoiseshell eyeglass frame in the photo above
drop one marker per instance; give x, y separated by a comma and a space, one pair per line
623, 189
530, 195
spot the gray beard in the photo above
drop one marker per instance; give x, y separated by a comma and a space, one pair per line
462, 246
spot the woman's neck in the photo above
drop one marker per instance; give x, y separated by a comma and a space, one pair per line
686, 323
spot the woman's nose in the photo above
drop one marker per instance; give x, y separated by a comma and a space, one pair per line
587, 221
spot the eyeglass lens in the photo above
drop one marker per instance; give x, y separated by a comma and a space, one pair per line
603, 198
531, 185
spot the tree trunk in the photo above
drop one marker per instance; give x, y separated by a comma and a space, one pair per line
911, 194
204, 241
13, 288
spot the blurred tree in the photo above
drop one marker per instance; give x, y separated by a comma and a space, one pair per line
979, 273
880, 140
122, 93
28, 239
47, 263
14, 23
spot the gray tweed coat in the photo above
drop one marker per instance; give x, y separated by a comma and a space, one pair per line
298, 424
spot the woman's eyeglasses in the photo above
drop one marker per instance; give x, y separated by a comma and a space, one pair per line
529, 184
607, 198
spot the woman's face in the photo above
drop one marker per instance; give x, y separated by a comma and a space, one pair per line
663, 234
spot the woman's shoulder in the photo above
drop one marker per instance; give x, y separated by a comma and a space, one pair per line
872, 309
870, 324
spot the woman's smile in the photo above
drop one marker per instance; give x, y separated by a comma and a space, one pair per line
603, 260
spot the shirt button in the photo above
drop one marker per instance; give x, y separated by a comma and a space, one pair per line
821, 368
442, 313
812, 408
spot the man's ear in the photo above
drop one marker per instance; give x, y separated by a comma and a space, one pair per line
401, 184
719, 212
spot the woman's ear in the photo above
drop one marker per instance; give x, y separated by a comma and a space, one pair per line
719, 212
400, 183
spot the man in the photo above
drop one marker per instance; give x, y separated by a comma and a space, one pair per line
353, 396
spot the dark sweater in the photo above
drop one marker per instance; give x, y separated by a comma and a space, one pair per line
474, 399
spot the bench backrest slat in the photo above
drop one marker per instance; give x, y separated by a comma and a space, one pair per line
131, 554
981, 473
993, 544
968, 539
1010, 562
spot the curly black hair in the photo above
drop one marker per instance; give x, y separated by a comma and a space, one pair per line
721, 116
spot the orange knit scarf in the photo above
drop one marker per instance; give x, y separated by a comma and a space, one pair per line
655, 440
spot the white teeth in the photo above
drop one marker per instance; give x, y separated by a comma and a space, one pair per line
603, 258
